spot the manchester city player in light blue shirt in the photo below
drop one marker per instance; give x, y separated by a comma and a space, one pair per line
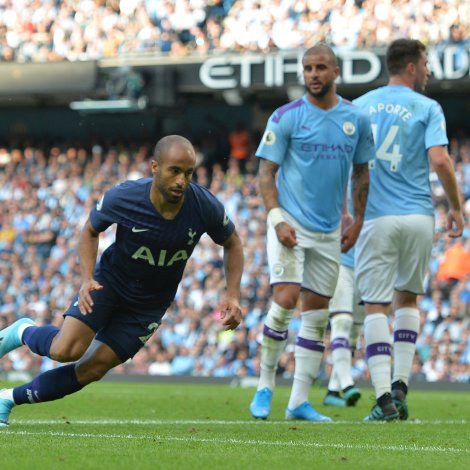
306, 154
394, 247
121, 303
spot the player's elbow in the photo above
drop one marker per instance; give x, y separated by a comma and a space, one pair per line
442, 166
440, 159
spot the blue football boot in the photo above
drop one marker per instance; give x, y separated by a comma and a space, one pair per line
351, 396
306, 412
5, 410
9, 337
260, 407
333, 400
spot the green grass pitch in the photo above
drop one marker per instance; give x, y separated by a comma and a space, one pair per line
113, 425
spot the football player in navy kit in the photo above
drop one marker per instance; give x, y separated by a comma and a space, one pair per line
123, 298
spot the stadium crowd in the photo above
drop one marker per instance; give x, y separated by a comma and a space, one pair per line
51, 30
46, 194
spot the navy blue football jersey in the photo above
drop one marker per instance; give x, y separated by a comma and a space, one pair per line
146, 262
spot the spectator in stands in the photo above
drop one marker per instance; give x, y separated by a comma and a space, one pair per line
94, 30
240, 145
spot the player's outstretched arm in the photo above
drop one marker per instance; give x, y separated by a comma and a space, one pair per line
443, 166
87, 252
230, 311
359, 191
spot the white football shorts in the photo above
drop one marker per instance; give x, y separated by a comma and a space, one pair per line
313, 263
393, 252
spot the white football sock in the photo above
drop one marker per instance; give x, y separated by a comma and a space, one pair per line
334, 384
404, 342
22, 329
275, 332
309, 350
7, 394
340, 349
378, 349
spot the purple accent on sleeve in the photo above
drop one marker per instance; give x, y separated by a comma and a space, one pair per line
406, 336
378, 349
310, 344
340, 342
276, 335
287, 107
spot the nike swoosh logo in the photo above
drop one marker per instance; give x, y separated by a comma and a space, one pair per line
136, 230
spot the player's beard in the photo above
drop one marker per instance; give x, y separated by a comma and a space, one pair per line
420, 87
323, 90
168, 196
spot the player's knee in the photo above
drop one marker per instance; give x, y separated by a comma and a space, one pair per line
91, 371
341, 324
287, 298
314, 324
278, 317
62, 352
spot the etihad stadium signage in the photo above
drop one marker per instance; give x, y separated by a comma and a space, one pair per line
285, 68
252, 72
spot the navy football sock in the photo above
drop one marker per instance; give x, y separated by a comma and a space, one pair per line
39, 338
51, 385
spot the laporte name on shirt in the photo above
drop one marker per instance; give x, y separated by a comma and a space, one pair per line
391, 108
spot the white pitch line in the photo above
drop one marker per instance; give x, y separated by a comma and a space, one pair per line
248, 442
159, 422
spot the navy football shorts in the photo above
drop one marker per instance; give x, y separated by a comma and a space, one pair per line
125, 328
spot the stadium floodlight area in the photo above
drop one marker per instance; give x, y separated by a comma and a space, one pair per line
111, 106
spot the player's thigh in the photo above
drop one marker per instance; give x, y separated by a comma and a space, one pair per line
73, 339
343, 298
98, 359
285, 264
321, 266
376, 259
415, 252
78, 330
129, 330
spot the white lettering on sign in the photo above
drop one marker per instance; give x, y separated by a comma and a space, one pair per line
283, 68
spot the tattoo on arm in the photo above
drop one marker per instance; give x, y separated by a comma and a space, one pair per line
360, 188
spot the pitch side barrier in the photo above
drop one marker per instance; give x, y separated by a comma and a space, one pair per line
245, 382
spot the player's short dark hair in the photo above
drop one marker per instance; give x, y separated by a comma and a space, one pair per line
401, 52
166, 142
322, 48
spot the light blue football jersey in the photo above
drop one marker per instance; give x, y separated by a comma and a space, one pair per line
315, 149
405, 125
